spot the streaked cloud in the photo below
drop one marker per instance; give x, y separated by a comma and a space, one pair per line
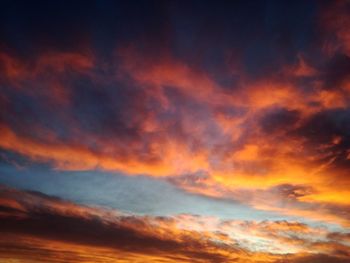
40, 227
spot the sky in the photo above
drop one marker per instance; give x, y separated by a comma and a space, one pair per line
175, 131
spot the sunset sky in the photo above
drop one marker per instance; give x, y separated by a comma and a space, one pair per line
175, 131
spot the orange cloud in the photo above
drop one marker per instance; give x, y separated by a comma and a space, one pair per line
61, 230
244, 146
166, 118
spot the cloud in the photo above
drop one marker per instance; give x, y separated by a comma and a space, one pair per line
52, 219
37, 227
270, 131
336, 20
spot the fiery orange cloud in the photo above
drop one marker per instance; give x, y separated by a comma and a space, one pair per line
256, 156
166, 118
78, 157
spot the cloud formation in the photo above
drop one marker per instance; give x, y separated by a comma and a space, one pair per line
38, 227
259, 116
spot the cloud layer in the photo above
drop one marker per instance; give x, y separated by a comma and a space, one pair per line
42, 228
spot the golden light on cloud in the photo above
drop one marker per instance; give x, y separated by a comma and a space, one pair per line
255, 116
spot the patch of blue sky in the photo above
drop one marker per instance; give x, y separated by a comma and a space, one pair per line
131, 194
